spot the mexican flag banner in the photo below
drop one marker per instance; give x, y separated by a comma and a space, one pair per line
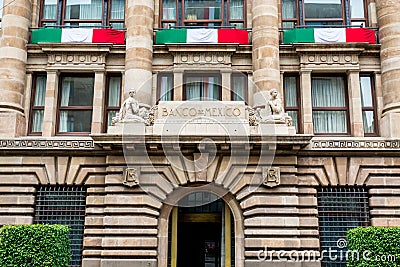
202, 36
77, 35
329, 35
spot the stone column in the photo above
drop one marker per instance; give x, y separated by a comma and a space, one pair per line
355, 108
265, 40
13, 56
139, 19
389, 34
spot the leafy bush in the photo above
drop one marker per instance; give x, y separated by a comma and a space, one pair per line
35, 245
376, 247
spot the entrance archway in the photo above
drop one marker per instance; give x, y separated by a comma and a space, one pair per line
208, 235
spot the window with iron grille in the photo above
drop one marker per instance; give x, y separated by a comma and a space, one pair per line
63, 205
340, 209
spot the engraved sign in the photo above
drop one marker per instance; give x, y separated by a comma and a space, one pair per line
131, 176
271, 176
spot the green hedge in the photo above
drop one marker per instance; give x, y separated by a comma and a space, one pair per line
376, 247
34, 245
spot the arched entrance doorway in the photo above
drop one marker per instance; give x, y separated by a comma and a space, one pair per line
201, 232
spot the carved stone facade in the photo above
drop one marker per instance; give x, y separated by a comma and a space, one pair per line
267, 175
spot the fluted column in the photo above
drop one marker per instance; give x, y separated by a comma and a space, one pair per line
265, 39
139, 48
13, 56
389, 24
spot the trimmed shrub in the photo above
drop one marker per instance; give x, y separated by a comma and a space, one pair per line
375, 247
34, 245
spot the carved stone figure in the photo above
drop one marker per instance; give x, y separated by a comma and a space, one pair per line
132, 111
273, 112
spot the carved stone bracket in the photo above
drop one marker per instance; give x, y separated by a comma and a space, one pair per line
131, 176
271, 176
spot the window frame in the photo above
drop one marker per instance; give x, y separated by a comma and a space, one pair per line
74, 108
328, 212
298, 100
181, 21
159, 81
246, 91
108, 108
60, 20
344, 108
203, 75
32, 105
51, 210
374, 103
346, 19
295, 20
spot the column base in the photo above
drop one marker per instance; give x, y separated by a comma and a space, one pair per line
13, 124
390, 126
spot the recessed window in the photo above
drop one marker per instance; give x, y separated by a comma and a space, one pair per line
239, 87
113, 98
86, 13
165, 89
37, 104
329, 104
202, 13
202, 87
368, 103
76, 104
63, 205
339, 210
292, 99
323, 12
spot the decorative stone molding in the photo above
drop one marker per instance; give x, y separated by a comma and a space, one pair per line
211, 55
46, 144
76, 57
367, 144
333, 57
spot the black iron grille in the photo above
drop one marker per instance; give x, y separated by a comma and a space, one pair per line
340, 209
64, 205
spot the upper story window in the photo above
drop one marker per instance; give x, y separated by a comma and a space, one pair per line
86, 13
37, 104
323, 12
203, 13
292, 99
239, 87
368, 104
113, 98
202, 87
165, 88
329, 105
75, 104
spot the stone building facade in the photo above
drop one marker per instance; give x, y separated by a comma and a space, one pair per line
131, 191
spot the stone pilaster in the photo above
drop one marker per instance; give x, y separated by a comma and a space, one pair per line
306, 101
98, 102
265, 39
356, 120
388, 12
13, 57
139, 48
